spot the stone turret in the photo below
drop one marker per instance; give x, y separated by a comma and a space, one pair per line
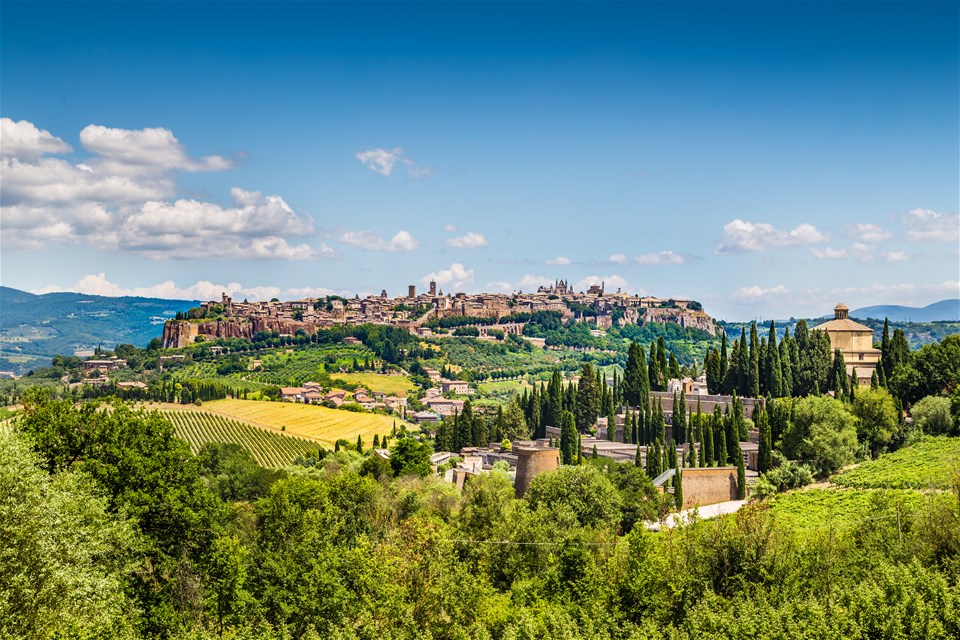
532, 461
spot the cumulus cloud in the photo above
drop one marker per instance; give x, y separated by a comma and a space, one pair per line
383, 161
740, 236
99, 285
560, 261
754, 293
925, 225
122, 199
149, 149
454, 277
860, 251
868, 233
23, 140
469, 240
371, 241
618, 258
449, 228
662, 257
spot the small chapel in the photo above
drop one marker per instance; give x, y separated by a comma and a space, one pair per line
855, 342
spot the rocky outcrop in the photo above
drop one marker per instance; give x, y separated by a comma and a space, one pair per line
683, 317
180, 333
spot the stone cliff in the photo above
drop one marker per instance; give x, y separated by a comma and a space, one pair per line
180, 333
683, 317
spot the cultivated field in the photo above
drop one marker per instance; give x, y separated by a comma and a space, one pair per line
309, 421
390, 385
268, 448
928, 464
839, 509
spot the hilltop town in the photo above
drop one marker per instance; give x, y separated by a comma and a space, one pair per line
421, 313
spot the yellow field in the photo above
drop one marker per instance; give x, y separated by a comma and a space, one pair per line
391, 385
309, 421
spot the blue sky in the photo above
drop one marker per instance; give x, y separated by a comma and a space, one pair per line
767, 159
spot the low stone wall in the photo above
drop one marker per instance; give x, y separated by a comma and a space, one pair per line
708, 485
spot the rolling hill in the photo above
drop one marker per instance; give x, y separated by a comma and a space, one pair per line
34, 328
945, 310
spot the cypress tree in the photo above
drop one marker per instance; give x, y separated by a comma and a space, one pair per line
677, 489
653, 461
360, 444
743, 365
886, 355
765, 454
593, 454
638, 458
724, 364
653, 369
730, 432
852, 386
706, 440
680, 418
568, 438
741, 478
579, 449
719, 439
774, 369
874, 380
498, 436
739, 424
555, 400
712, 367
674, 367
635, 376
376, 441
786, 365
612, 426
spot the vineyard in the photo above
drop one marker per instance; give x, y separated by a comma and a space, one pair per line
309, 421
927, 464
842, 509
268, 449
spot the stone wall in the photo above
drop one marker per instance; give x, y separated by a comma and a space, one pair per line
708, 485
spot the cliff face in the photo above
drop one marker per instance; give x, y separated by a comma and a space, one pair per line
180, 333
682, 317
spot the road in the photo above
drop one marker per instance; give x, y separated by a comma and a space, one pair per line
709, 511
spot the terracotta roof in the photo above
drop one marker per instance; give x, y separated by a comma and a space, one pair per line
842, 325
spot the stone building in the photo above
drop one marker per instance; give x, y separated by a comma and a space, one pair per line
855, 342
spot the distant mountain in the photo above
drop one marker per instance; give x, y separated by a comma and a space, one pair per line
945, 310
34, 328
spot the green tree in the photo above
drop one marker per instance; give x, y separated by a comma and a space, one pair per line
773, 367
822, 432
741, 478
588, 399
932, 415
410, 457
635, 376
878, 417
568, 438
583, 490
514, 423
65, 559
765, 453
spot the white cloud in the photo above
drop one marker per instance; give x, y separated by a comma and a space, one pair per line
662, 257
929, 226
499, 286
618, 258
861, 251
150, 149
754, 293
97, 284
529, 282
868, 233
449, 228
610, 283
454, 277
380, 161
383, 161
120, 199
561, 261
740, 236
829, 253
22, 139
370, 241
469, 240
